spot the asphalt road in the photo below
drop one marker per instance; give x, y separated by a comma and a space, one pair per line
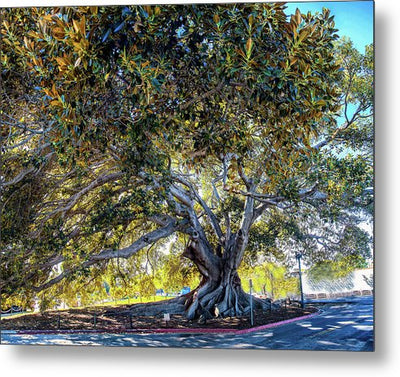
341, 326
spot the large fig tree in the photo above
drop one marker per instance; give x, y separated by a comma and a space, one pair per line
122, 126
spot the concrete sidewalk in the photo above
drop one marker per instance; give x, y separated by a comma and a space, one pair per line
340, 327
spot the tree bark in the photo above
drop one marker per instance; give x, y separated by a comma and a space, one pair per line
220, 291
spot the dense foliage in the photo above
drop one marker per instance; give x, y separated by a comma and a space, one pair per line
243, 130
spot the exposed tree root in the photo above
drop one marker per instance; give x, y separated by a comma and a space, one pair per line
205, 302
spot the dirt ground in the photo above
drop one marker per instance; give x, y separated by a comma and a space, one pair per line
117, 319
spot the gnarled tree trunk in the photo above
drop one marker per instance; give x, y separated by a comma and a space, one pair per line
220, 291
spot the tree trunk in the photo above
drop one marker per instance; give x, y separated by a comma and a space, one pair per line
220, 291
224, 297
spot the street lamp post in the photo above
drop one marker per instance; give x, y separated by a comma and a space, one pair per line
251, 302
298, 257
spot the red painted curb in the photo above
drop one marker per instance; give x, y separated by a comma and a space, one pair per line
171, 331
270, 325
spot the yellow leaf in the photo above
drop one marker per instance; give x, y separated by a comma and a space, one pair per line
76, 26
298, 16
61, 61
85, 44
216, 18
251, 19
240, 52
302, 35
249, 45
77, 46
58, 32
47, 17
33, 34
292, 59
82, 26
294, 29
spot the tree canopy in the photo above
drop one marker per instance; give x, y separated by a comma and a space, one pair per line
122, 126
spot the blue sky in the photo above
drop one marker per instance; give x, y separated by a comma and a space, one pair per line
354, 19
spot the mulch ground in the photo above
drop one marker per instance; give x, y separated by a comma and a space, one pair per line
117, 319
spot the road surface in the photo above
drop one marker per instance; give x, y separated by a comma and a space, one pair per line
340, 326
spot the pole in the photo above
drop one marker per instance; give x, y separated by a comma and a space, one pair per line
251, 302
298, 256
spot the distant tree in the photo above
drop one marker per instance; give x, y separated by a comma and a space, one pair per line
122, 126
269, 279
177, 272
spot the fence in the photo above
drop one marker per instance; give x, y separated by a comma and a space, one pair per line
13, 309
364, 292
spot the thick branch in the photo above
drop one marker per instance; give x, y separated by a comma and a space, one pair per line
19, 177
213, 219
94, 184
146, 240
242, 175
139, 244
248, 211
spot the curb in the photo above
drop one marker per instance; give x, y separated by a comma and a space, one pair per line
167, 331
